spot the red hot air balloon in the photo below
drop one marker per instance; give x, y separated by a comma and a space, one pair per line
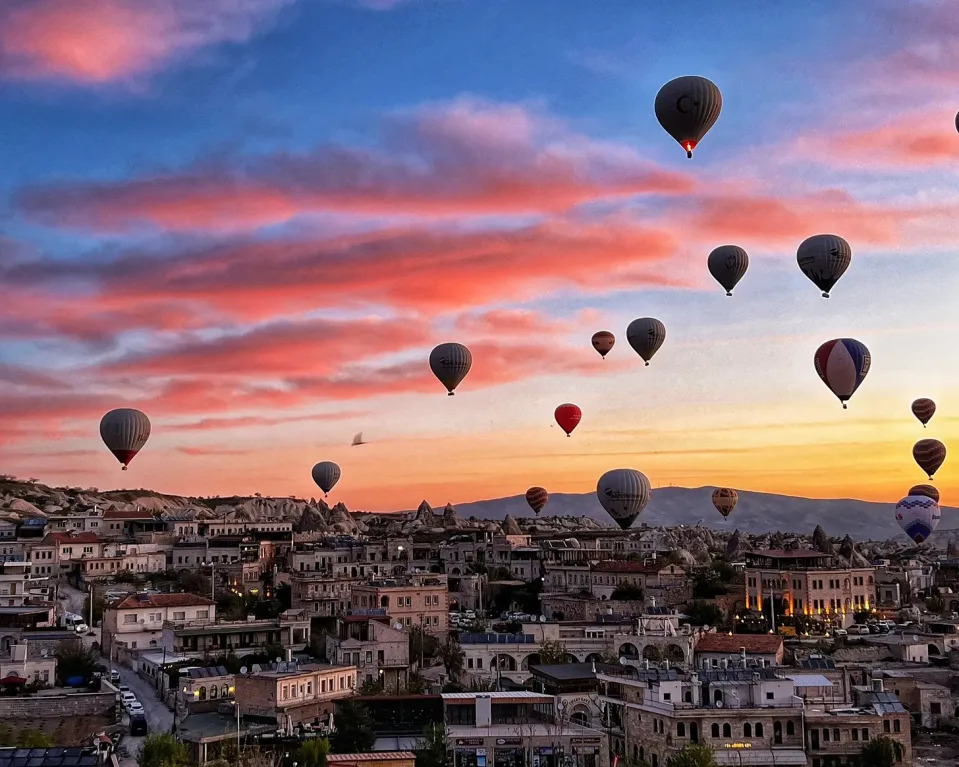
929, 454
537, 497
924, 409
568, 416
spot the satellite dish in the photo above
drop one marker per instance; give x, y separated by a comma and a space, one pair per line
243, 669
719, 704
398, 626
542, 619
279, 660
623, 661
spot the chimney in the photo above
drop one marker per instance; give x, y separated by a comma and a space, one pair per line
742, 655
877, 685
762, 663
289, 654
646, 664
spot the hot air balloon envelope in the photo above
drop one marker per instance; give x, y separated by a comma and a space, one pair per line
919, 516
930, 455
568, 417
603, 342
125, 431
326, 474
537, 497
725, 500
824, 258
646, 335
450, 362
687, 108
624, 493
727, 264
929, 491
842, 364
924, 409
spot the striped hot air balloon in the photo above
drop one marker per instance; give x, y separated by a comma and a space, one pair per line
725, 500
326, 474
929, 454
924, 409
927, 490
918, 516
537, 497
727, 264
125, 431
824, 258
842, 364
624, 493
450, 362
687, 108
646, 335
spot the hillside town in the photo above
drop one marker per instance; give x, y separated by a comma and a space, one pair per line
269, 625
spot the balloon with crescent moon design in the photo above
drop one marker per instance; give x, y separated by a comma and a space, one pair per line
603, 342
646, 335
924, 409
687, 108
624, 493
450, 362
824, 258
125, 431
930, 454
918, 516
842, 364
727, 264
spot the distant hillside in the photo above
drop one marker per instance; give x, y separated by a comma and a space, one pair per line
756, 512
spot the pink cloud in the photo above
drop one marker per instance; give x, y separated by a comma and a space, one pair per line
99, 41
510, 322
467, 157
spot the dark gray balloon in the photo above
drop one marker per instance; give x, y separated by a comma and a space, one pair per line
450, 363
687, 108
326, 474
824, 258
125, 431
646, 335
727, 264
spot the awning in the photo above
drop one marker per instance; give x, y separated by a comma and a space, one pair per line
760, 757
401, 743
12, 680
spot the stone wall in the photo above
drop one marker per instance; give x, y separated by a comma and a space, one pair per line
70, 719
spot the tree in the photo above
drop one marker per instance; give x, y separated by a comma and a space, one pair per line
431, 751
703, 613
73, 659
861, 616
372, 685
693, 756
452, 655
313, 753
354, 730
422, 645
627, 592
935, 604
163, 750
551, 653
415, 684
98, 604
881, 752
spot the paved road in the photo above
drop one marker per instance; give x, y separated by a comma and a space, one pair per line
159, 717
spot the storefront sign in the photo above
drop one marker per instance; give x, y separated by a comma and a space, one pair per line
509, 741
585, 740
737, 745
469, 741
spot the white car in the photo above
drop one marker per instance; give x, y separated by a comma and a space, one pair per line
81, 628
135, 708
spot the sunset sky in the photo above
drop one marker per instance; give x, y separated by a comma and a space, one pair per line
253, 219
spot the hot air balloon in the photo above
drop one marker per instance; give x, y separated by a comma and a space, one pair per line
725, 500
326, 474
824, 258
929, 454
450, 363
924, 409
603, 342
727, 264
687, 108
957, 121
927, 490
919, 516
646, 335
624, 493
568, 416
125, 431
537, 497
842, 364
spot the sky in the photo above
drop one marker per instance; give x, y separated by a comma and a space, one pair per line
253, 219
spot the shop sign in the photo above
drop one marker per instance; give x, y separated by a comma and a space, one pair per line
469, 741
509, 741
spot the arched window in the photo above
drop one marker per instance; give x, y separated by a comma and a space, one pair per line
688, 696
747, 730
203, 693
680, 730
759, 729
727, 730
790, 728
213, 692
717, 695
715, 730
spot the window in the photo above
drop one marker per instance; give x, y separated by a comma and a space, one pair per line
680, 730
895, 725
202, 614
759, 729
369, 656
865, 734
886, 727
825, 734
855, 734
213, 692
715, 730
179, 616
128, 619
667, 696
790, 728
747, 730
322, 685
727, 730
835, 735
770, 696
469, 663
309, 688
286, 691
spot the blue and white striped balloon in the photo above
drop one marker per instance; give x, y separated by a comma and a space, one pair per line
918, 516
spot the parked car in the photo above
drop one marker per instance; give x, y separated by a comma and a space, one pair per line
81, 628
858, 628
840, 632
138, 724
114, 676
